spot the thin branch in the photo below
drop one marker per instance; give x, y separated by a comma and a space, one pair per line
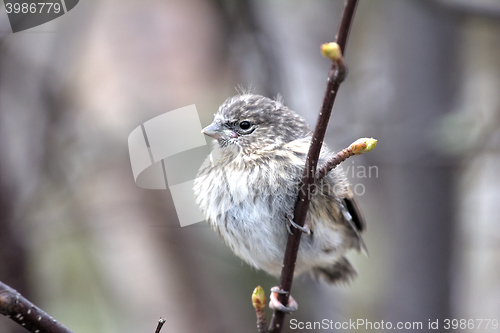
345, 24
26, 314
358, 147
161, 321
335, 77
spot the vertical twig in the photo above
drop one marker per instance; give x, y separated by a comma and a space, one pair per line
335, 77
161, 321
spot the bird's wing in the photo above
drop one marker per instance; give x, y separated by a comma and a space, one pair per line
354, 218
352, 205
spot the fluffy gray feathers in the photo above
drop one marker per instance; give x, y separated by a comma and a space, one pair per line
248, 186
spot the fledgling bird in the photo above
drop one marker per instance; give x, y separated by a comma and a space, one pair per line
248, 186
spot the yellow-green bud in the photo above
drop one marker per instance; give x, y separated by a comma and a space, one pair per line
363, 145
258, 298
332, 51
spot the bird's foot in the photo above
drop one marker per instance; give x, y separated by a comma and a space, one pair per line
305, 229
277, 305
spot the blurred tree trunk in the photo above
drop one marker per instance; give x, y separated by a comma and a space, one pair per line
422, 38
476, 125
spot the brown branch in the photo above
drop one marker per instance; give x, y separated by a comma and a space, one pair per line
335, 77
26, 314
161, 321
358, 147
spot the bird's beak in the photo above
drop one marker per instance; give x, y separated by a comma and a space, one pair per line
217, 131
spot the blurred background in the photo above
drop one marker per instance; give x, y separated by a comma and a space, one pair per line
100, 254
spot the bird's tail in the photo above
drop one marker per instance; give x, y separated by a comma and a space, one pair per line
340, 272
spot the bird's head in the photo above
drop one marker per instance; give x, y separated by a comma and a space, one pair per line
253, 122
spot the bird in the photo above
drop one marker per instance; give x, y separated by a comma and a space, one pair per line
248, 185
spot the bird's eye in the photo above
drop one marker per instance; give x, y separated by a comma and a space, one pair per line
244, 125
